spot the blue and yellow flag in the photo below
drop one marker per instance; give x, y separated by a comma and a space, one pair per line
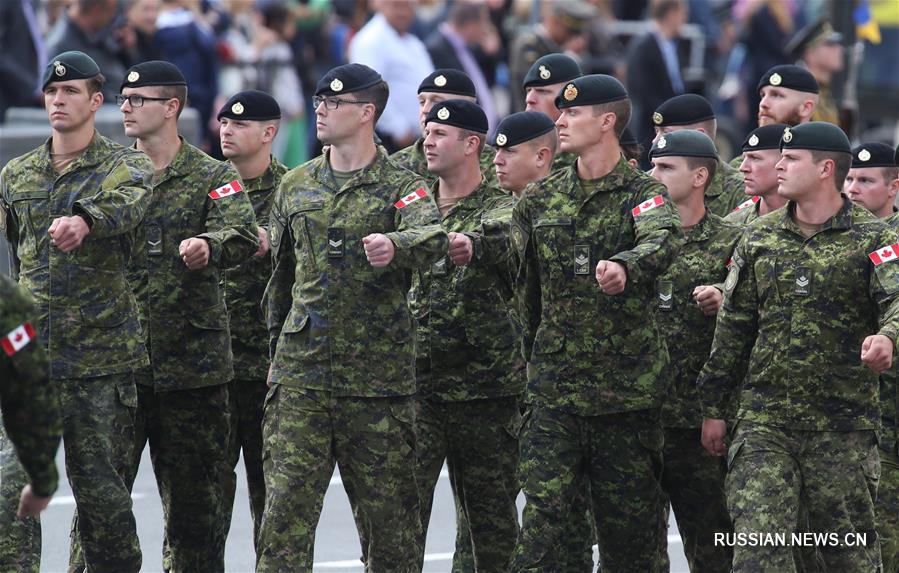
866, 27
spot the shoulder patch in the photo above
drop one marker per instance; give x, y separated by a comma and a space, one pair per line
648, 205
227, 189
18, 338
748, 203
884, 254
411, 198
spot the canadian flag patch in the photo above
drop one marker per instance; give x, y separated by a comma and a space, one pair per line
411, 198
884, 254
227, 189
18, 338
748, 203
648, 205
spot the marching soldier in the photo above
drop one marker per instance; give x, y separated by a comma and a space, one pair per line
761, 152
543, 82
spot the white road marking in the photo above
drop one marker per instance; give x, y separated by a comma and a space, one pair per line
70, 500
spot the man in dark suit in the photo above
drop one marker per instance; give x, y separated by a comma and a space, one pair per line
653, 66
23, 56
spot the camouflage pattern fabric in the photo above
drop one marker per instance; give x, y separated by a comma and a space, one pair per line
887, 509
742, 216
372, 442
563, 160
247, 399
726, 190
413, 158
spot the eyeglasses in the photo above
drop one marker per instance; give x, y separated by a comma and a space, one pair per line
137, 101
333, 103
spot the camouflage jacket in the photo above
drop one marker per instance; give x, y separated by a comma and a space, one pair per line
244, 286
794, 317
30, 406
889, 385
725, 191
593, 353
702, 260
413, 158
183, 311
86, 313
335, 322
467, 344
563, 160
746, 212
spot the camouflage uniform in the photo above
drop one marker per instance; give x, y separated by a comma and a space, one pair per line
692, 479
342, 342
795, 313
413, 158
470, 375
33, 427
88, 318
184, 409
244, 286
598, 362
746, 212
726, 190
888, 490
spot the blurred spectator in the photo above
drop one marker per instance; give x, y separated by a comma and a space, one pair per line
455, 44
653, 66
561, 29
386, 45
138, 39
23, 55
189, 44
819, 48
88, 27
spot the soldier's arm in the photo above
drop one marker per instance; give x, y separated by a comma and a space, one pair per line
884, 288
118, 207
655, 230
278, 296
9, 226
736, 330
419, 239
527, 284
31, 413
230, 224
492, 241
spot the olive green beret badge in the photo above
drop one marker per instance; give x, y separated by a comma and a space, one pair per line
788, 135
336, 85
501, 139
133, 77
775, 79
59, 68
237, 108
754, 140
657, 118
440, 81
864, 155
545, 74
443, 114
570, 92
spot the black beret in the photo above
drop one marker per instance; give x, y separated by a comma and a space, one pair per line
250, 104
153, 73
685, 109
684, 143
589, 90
817, 135
346, 79
448, 81
627, 137
522, 126
873, 155
69, 66
789, 76
813, 34
896, 157
552, 69
764, 137
459, 113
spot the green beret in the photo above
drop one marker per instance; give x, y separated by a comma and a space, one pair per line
791, 77
459, 113
816, 33
817, 135
153, 73
346, 79
590, 90
69, 66
252, 105
552, 69
764, 137
684, 143
448, 81
873, 155
685, 109
522, 126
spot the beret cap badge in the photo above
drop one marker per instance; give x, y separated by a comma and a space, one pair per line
501, 139
864, 155
545, 74
440, 81
443, 114
662, 143
570, 92
657, 118
775, 79
133, 77
336, 85
59, 68
754, 140
237, 108
788, 135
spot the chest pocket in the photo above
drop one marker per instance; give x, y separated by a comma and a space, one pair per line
306, 221
32, 209
554, 243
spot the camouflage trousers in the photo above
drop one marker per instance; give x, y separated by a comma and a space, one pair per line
247, 401
888, 510
771, 471
20, 540
98, 438
620, 455
372, 441
189, 433
693, 481
479, 441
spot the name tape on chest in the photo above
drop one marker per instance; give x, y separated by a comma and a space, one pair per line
227, 189
884, 254
648, 205
18, 338
419, 193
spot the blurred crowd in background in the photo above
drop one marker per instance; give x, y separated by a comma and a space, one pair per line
658, 48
